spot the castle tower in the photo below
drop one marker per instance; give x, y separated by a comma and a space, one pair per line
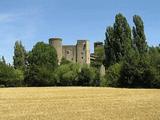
87, 52
83, 52
57, 44
98, 45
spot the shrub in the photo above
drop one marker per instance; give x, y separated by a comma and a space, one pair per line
112, 76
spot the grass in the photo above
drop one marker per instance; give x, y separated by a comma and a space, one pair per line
77, 103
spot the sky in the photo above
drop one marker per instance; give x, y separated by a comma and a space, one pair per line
32, 21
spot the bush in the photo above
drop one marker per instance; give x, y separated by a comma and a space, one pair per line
66, 74
112, 76
9, 77
136, 72
88, 77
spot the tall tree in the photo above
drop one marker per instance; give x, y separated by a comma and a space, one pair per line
139, 38
122, 33
118, 40
109, 47
19, 57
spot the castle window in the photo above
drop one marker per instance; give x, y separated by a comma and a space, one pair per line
84, 47
68, 51
82, 53
82, 57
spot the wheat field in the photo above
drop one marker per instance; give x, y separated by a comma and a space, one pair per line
79, 103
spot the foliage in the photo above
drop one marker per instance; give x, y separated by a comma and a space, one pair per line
88, 77
10, 77
19, 59
139, 38
118, 40
154, 53
110, 57
112, 76
136, 71
99, 57
43, 55
42, 61
66, 74
139, 68
64, 61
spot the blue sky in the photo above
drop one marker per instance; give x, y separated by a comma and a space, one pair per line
37, 20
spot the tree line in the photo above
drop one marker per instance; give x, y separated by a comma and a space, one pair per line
128, 59
39, 67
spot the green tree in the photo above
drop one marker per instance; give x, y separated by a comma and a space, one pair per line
42, 61
66, 74
112, 76
87, 77
136, 71
139, 38
122, 35
99, 57
154, 53
19, 58
118, 40
10, 77
110, 57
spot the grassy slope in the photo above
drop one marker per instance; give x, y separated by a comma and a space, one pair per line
79, 104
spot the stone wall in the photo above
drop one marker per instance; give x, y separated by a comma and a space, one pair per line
79, 53
69, 52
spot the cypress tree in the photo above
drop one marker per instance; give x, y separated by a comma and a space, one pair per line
19, 57
139, 38
109, 47
122, 33
118, 40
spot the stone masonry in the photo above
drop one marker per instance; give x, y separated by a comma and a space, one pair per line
79, 53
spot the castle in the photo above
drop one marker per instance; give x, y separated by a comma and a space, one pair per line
79, 53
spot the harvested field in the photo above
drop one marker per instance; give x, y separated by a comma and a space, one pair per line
79, 103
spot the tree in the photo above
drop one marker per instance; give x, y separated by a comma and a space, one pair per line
136, 71
118, 40
112, 76
19, 58
154, 53
9, 77
87, 77
42, 61
139, 38
122, 33
66, 74
110, 57
99, 57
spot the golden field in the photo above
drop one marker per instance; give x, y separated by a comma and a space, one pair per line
79, 103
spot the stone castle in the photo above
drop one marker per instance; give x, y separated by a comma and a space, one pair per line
79, 53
